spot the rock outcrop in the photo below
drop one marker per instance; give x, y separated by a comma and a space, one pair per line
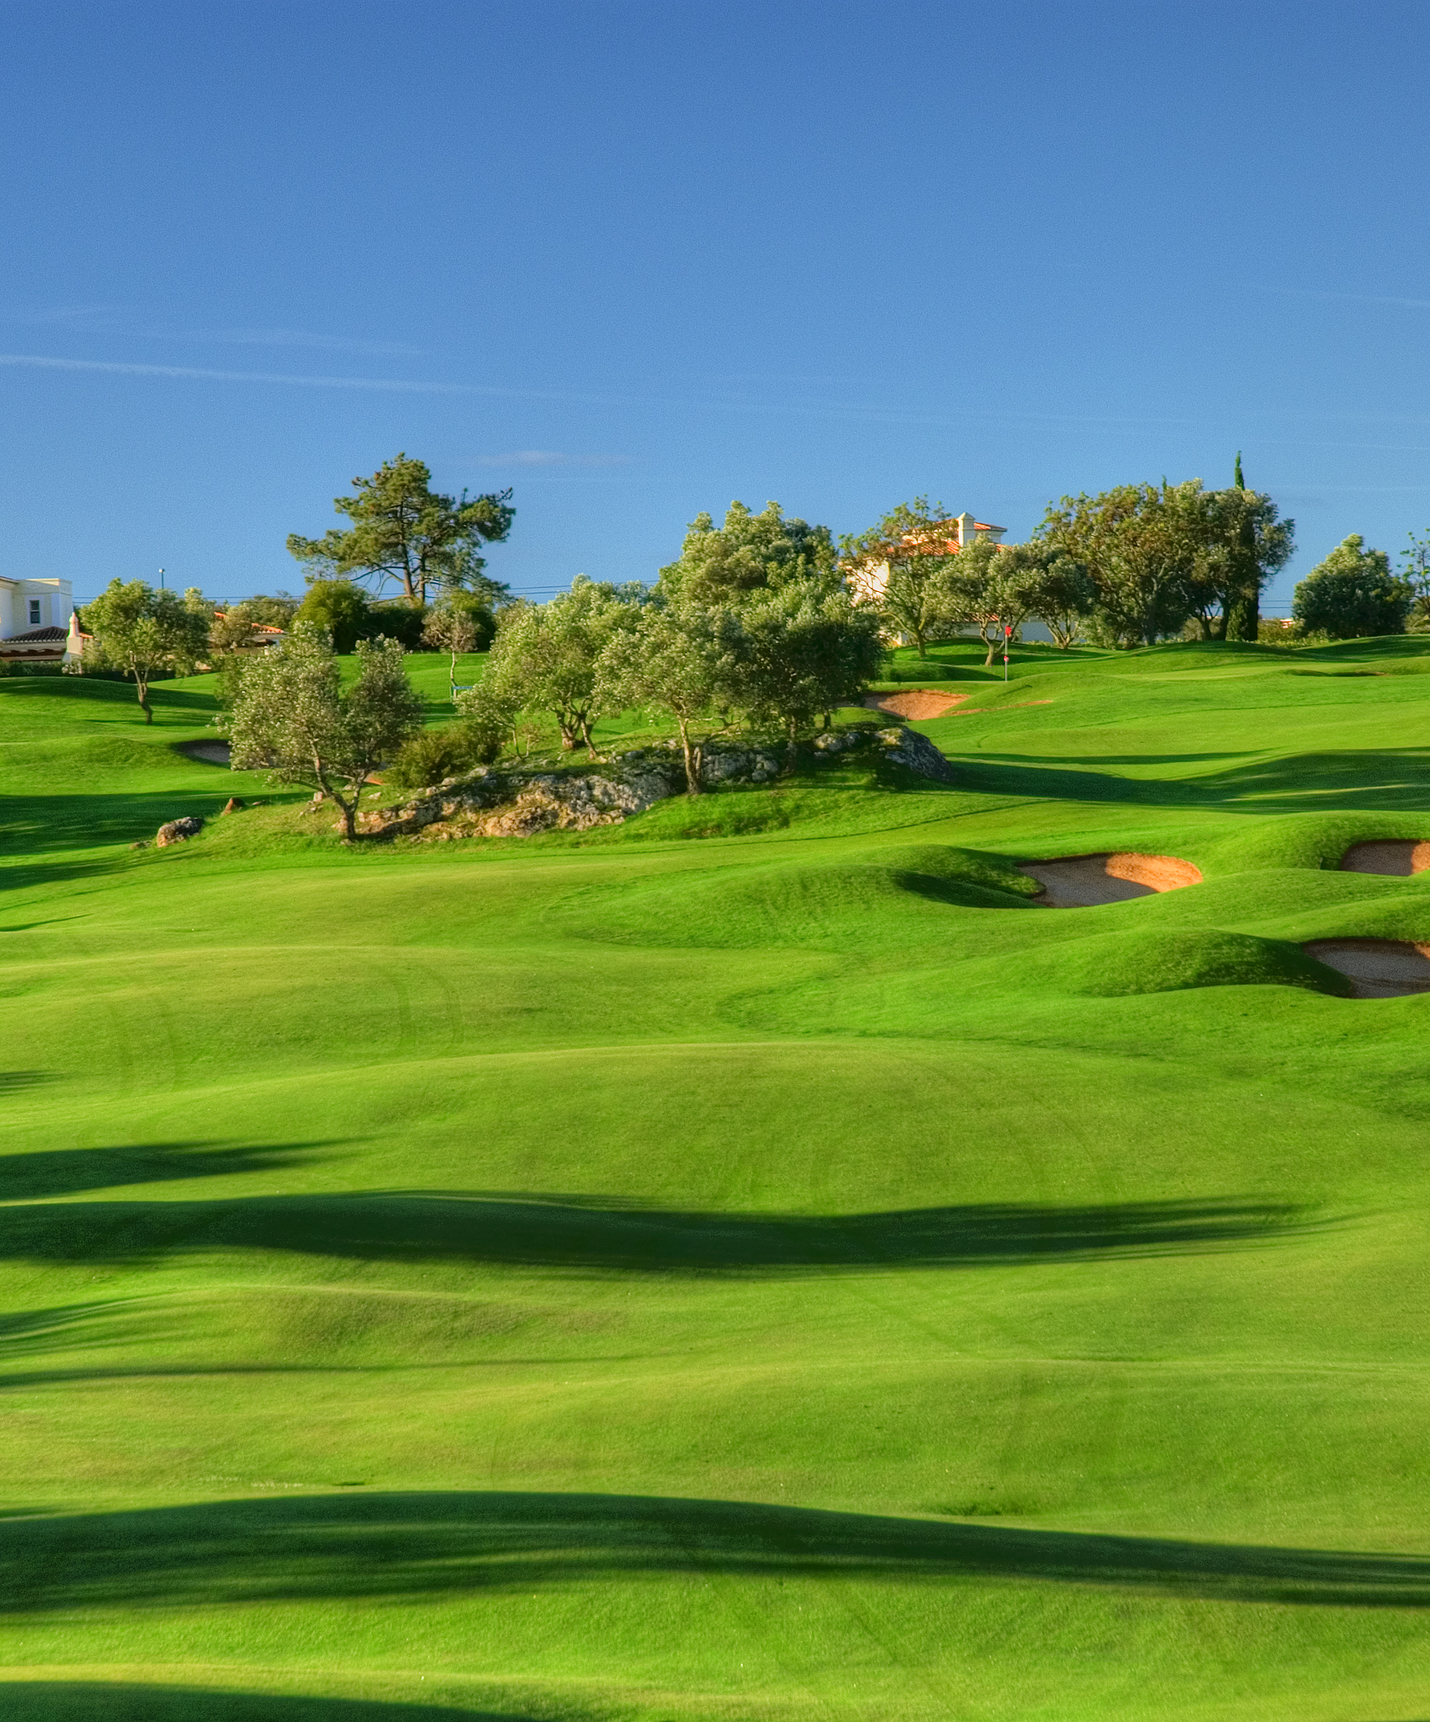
489, 802
915, 752
178, 831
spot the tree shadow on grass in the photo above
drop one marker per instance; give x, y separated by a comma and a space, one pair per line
44, 824
62, 1171
417, 1544
1356, 780
590, 1234
94, 1701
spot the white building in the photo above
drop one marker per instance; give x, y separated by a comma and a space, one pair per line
944, 538
36, 620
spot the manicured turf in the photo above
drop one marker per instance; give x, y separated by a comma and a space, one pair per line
745, 1264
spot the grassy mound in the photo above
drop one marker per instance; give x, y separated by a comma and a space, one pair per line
1153, 961
733, 1264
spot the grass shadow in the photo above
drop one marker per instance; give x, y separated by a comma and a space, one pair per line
596, 1235
63, 1171
417, 1544
97, 1701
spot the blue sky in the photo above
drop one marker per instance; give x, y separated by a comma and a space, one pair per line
636, 260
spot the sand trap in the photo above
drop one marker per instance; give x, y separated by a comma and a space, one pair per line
1376, 968
211, 752
1081, 881
1387, 857
919, 704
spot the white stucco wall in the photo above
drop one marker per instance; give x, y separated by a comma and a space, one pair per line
17, 598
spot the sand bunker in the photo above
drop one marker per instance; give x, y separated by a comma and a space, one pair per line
211, 752
919, 704
1387, 857
1081, 881
1376, 968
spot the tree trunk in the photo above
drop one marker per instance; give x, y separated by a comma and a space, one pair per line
692, 760
585, 724
1204, 629
141, 688
792, 750
568, 735
991, 645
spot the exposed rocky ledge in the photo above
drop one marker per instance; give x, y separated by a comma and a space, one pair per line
489, 802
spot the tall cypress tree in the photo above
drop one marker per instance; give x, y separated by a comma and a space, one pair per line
1243, 618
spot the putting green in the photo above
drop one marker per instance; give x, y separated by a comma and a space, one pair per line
750, 1263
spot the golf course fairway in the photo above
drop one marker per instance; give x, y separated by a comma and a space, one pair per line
755, 1262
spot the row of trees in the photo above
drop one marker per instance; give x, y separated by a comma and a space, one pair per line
1131, 565
775, 656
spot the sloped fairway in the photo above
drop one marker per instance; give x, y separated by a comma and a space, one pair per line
763, 1277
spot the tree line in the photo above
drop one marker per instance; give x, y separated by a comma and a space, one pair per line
762, 620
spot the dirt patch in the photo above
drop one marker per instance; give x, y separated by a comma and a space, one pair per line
1376, 968
919, 704
1082, 881
1387, 857
210, 752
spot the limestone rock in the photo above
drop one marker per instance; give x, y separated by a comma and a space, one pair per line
915, 752
178, 831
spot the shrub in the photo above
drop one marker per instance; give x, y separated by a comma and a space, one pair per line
441, 753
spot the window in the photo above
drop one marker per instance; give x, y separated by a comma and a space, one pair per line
34, 612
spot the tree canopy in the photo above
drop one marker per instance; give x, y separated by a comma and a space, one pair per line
292, 715
800, 653
1159, 554
904, 567
146, 632
1353, 593
681, 659
545, 658
749, 553
405, 533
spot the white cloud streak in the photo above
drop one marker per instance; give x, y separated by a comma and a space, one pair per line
548, 457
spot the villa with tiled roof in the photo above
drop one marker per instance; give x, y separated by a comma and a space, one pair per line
944, 538
36, 620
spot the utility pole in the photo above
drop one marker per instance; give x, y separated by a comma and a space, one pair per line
161, 579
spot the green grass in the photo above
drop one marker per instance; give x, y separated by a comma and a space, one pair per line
748, 1263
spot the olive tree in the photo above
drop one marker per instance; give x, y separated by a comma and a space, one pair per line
904, 567
683, 660
545, 658
798, 654
750, 554
146, 633
292, 715
1140, 543
1352, 594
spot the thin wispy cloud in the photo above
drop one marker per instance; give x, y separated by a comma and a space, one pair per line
84, 317
548, 457
197, 373
858, 411
1353, 298
283, 338
114, 319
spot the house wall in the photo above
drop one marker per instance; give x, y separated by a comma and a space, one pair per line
16, 597
27, 607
